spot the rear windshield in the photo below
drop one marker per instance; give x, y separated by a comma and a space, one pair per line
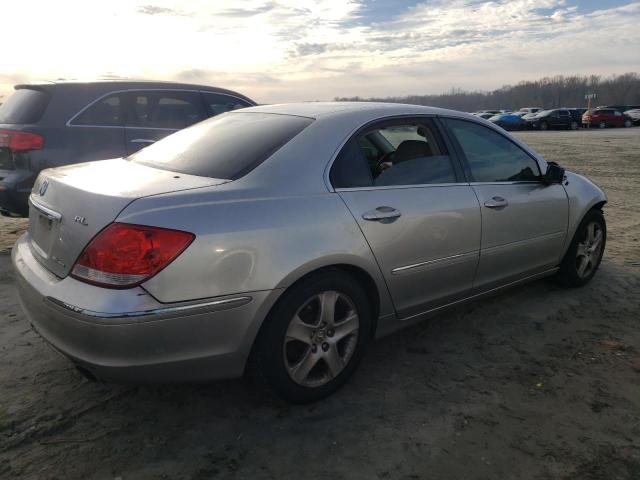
227, 146
26, 105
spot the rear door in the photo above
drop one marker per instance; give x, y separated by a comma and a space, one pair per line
524, 221
96, 132
420, 218
153, 114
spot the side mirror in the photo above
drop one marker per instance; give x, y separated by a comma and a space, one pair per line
554, 174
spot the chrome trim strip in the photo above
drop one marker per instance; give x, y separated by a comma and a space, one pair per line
47, 212
215, 305
68, 124
499, 249
396, 187
398, 270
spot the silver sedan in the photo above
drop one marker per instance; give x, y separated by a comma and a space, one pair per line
280, 240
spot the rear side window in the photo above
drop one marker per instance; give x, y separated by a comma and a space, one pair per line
227, 146
106, 112
491, 156
26, 105
394, 155
164, 109
218, 103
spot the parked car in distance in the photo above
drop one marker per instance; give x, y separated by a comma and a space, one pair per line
530, 110
244, 243
557, 118
50, 124
605, 117
634, 115
486, 116
508, 121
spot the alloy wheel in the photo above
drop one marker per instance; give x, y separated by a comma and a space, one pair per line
321, 338
589, 250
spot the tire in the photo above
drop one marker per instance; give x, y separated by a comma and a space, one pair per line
574, 125
544, 126
628, 124
297, 357
584, 255
602, 125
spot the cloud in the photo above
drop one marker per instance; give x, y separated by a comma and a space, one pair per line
280, 50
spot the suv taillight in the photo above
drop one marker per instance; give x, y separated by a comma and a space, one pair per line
18, 141
124, 255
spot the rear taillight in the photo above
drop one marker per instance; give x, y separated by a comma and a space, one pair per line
124, 255
18, 141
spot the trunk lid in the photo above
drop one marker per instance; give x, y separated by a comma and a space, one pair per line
70, 205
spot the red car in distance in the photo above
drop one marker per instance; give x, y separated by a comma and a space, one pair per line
605, 117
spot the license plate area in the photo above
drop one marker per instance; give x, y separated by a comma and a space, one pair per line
43, 229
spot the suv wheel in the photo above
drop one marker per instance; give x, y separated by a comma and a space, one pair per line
583, 257
628, 123
574, 125
544, 126
314, 338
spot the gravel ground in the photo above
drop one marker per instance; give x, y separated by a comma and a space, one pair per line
536, 383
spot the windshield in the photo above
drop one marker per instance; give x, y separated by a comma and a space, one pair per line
227, 146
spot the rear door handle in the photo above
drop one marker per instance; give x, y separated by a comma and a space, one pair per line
496, 202
381, 213
142, 140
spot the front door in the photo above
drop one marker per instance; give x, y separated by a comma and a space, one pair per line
420, 219
524, 221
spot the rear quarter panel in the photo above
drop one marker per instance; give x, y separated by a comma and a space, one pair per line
246, 242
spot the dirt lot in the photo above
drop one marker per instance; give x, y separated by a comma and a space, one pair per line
536, 383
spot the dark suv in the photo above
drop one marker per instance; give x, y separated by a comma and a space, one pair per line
57, 123
558, 118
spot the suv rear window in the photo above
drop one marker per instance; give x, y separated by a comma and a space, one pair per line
227, 146
26, 105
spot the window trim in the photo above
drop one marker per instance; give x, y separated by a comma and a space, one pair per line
463, 158
399, 120
129, 90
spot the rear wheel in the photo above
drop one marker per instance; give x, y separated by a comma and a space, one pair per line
583, 257
602, 125
628, 123
544, 126
314, 338
573, 126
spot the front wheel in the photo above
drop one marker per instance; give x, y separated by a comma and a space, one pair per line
583, 257
628, 124
544, 126
602, 125
573, 126
314, 338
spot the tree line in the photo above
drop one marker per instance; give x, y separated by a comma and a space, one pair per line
547, 92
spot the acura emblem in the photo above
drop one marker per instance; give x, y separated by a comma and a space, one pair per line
43, 187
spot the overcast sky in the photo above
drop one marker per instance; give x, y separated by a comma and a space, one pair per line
277, 51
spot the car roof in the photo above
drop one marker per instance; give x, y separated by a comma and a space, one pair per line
108, 85
374, 110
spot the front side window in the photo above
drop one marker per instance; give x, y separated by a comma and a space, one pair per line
218, 103
491, 156
106, 112
164, 109
227, 146
394, 155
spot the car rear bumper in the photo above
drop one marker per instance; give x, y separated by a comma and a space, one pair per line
13, 200
127, 336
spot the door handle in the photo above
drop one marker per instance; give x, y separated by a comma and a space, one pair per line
496, 202
381, 213
142, 140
